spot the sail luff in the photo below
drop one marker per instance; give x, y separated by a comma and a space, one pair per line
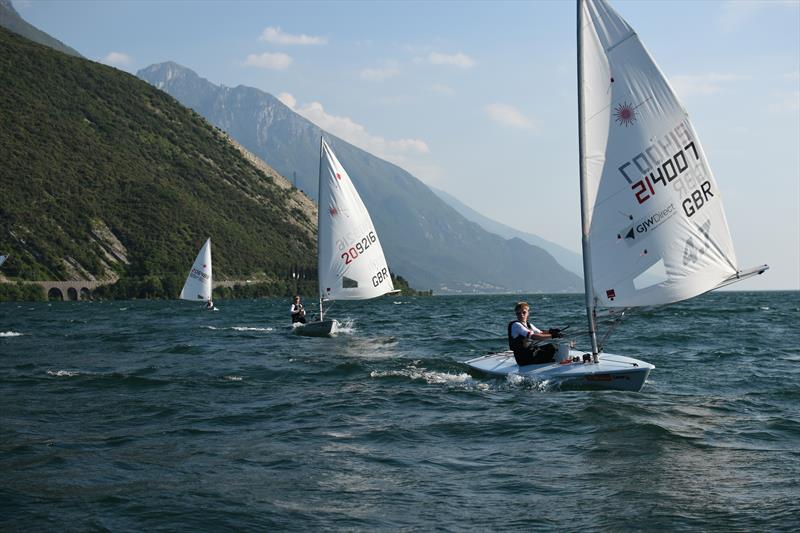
585, 225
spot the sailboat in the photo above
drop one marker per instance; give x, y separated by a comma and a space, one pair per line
653, 227
198, 282
351, 264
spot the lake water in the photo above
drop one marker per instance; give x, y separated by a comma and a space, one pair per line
148, 415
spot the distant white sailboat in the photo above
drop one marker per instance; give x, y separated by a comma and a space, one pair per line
198, 284
351, 264
654, 229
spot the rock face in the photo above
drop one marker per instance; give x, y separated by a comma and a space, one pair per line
425, 240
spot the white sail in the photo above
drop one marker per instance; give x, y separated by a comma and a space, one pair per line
351, 261
198, 283
657, 229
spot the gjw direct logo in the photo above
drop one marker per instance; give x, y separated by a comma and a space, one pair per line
645, 226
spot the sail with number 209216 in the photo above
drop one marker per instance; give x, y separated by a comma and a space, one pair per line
351, 263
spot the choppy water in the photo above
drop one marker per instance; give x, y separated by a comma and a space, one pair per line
161, 416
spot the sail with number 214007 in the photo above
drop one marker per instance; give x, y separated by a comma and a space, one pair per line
654, 230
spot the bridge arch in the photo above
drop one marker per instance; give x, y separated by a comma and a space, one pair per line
72, 294
55, 294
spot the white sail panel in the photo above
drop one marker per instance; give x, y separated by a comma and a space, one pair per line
351, 261
653, 198
198, 283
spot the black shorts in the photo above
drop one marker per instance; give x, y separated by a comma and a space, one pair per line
536, 355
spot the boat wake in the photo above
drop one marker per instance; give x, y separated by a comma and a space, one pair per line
431, 377
241, 328
63, 373
10, 334
528, 382
346, 327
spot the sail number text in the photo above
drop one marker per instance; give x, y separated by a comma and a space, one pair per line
645, 188
199, 274
359, 248
380, 277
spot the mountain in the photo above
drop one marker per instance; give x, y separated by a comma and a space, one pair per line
425, 239
105, 177
566, 258
10, 19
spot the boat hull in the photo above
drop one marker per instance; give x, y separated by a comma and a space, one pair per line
611, 372
324, 328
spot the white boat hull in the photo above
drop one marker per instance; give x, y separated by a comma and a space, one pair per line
612, 372
325, 328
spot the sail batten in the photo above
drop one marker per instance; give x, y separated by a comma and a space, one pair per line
653, 203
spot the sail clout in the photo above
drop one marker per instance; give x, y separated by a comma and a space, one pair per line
198, 282
351, 265
657, 228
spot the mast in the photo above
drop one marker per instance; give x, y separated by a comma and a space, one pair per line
319, 225
587, 263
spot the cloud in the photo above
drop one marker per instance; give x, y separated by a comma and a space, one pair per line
508, 116
277, 36
288, 100
736, 14
380, 74
117, 59
400, 152
458, 60
785, 102
705, 84
268, 60
443, 89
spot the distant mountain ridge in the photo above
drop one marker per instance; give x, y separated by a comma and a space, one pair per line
10, 19
567, 258
425, 240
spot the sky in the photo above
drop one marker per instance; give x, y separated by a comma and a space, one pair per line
479, 98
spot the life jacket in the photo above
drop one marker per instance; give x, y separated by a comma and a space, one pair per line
520, 344
526, 352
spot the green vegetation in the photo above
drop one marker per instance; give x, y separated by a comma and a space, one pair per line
402, 285
84, 145
16, 292
286, 288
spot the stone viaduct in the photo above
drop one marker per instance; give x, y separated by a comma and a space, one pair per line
82, 290
68, 290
